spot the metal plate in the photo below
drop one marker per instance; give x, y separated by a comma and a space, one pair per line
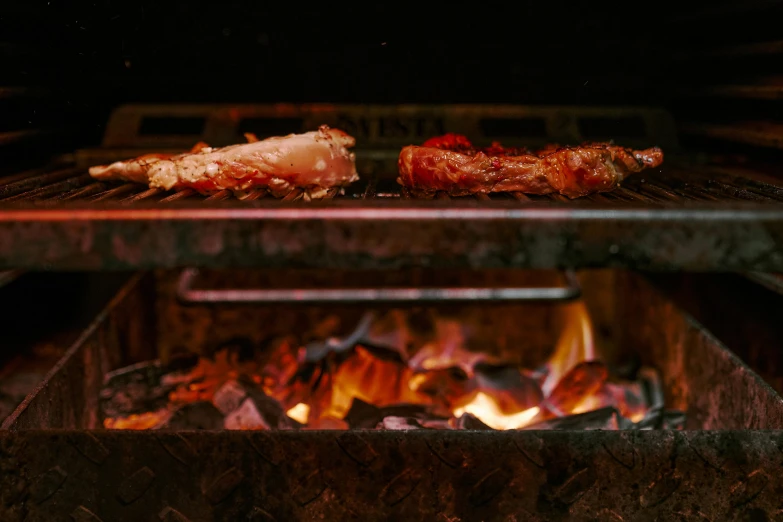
392, 234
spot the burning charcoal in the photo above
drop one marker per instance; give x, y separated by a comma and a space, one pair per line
143, 421
366, 416
441, 385
673, 420
628, 397
390, 331
196, 416
652, 420
327, 423
229, 397
271, 410
282, 365
603, 419
399, 423
417, 411
374, 379
363, 415
653, 386
436, 424
584, 379
446, 351
658, 418
468, 421
133, 390
512, 391
316, 351
246, 417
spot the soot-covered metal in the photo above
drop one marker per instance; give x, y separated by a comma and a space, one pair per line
93, 474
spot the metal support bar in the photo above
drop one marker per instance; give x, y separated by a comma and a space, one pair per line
188, 295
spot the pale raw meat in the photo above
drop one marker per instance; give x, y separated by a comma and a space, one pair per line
316, 161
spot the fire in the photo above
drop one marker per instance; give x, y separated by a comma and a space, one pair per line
485, 408
324, 385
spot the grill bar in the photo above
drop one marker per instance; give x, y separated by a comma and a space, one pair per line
671, 185
678, 218
189, 295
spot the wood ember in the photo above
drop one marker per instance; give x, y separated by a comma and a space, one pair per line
602, 419
246, 417
229, 397
397, 371
512, 390
583, 380
366, 416
468, 421
399, 423
658, 418
195, 416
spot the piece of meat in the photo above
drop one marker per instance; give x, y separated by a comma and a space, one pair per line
316, 161
452, 164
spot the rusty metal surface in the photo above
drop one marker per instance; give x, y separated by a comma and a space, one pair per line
393, 234
67, 396
289, 475
701, 376
466, 476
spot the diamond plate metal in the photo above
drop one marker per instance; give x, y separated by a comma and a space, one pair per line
400, 487
47, 484
660, 489
82, 514
489, 479
135, 485
224, 485
357, 448
169, 514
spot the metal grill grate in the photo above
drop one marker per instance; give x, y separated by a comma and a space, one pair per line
669, 185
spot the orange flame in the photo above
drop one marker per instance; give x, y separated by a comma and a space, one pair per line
441, 375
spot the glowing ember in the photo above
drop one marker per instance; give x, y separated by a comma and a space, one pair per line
486, 409
370, 379
299, 413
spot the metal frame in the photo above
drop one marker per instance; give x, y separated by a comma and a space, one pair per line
350, 234
188, 295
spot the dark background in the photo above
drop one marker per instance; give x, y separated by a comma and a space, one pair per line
77, 59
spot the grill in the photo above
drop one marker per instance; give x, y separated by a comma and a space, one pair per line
729, 217
679, 268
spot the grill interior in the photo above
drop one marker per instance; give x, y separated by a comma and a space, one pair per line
672, 184
405, 475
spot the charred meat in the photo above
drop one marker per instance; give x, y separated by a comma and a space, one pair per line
452, 164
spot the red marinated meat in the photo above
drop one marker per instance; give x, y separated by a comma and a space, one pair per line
453, 165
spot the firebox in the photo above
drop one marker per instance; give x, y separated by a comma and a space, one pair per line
160, 368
